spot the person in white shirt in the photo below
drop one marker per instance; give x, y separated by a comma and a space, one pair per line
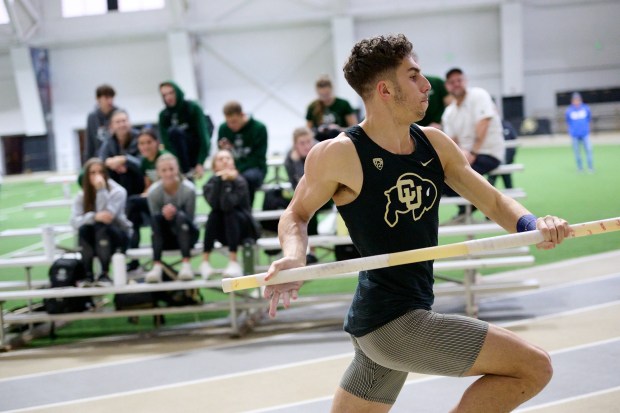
472, 121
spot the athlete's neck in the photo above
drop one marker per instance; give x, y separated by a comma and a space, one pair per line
391, 137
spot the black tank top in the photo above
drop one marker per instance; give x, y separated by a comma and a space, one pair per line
396, 210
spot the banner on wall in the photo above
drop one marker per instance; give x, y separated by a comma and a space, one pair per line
41, 68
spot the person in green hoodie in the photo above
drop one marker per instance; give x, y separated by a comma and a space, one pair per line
183, 130
246, 138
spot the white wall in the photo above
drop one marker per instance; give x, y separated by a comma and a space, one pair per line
579, 50
444, 40
268, 55
11, 121
274, 84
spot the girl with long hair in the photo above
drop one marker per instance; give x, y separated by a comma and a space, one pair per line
98, 214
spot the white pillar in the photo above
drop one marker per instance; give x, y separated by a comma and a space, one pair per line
343, 39
511, 21
182, 63
28, 92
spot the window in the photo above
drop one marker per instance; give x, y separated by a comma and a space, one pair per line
76, 8
138, 5
4, 16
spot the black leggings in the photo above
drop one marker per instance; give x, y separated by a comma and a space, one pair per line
101, 241
230, 228
186, 148
180, 232
138, 213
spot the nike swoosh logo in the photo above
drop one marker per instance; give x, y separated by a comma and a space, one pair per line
427, 162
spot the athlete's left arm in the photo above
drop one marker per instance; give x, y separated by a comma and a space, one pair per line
472, 186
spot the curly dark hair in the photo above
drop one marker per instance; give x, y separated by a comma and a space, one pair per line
374, 57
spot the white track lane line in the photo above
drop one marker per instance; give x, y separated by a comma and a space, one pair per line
173, 354
549, 288
185, 383
568, 400
259, 371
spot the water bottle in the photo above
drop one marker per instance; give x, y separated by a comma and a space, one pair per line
49, 247
119, 268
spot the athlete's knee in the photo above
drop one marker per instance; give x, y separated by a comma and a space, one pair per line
345, 402
541, 369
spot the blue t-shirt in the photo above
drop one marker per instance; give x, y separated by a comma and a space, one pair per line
578, 120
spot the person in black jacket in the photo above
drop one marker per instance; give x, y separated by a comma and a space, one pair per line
230, 220
121, 155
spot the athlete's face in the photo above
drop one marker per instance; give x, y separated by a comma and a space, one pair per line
411, 90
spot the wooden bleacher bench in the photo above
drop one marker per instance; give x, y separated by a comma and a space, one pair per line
514, 193
27, 262
331, 240
23, 232
504, 169
65, 180
52, 203
21, 285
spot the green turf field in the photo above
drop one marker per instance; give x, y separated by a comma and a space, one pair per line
550, 180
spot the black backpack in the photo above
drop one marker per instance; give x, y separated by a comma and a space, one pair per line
66, 272
274, 200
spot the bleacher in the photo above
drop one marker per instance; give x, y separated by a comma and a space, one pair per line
245, 309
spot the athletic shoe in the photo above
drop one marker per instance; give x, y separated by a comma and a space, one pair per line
186, 273
155, 275
103, 281
233, 269
206, 271
86, 282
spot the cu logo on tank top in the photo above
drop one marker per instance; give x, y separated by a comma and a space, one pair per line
412, 194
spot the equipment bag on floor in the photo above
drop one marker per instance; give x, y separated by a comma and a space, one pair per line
176, 298
66, 272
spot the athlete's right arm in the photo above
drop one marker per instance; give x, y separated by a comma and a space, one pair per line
324, 174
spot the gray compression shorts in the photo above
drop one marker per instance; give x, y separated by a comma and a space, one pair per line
420, 341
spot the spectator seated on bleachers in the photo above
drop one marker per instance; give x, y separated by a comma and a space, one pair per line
98, 214
172, 202
137, 205
230, 220
120, 154
303, 141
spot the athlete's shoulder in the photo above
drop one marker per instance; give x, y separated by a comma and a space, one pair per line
332, 157
442, 143
336, 147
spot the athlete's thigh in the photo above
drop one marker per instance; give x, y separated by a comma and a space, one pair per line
504, 353
426, 342
370, 381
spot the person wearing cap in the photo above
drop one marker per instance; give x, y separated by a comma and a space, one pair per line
578, 118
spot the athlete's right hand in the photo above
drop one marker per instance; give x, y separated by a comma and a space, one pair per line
286, 291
